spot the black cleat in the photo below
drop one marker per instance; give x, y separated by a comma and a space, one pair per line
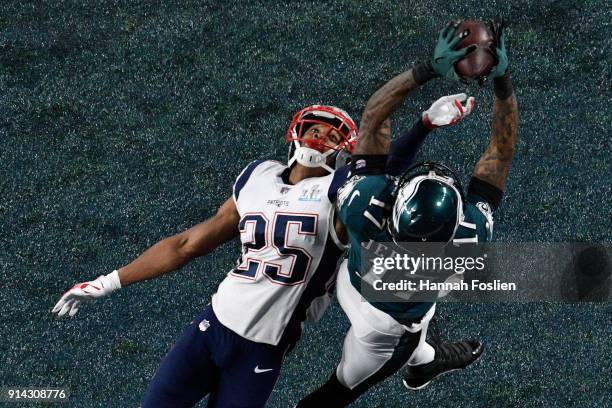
449, 357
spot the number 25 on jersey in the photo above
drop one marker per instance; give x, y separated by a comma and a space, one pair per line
280, 262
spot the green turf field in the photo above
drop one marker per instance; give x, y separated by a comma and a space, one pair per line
122, 122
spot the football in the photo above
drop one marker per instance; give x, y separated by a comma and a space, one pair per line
479, 63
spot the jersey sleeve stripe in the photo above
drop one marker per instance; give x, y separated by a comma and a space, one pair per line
244, 177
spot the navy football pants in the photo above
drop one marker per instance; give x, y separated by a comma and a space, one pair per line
210, 359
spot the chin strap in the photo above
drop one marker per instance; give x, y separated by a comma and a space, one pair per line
308, 157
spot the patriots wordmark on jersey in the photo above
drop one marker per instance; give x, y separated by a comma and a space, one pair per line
289, 256
233, 351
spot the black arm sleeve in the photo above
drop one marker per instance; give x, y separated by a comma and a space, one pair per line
423, 72
502, 86
404, 149
368, 163
489, 192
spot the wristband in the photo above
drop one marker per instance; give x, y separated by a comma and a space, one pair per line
423, 72
502, 86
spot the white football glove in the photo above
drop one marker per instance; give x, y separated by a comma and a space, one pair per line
448, 110
85, 292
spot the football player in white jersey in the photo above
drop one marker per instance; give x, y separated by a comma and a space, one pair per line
284, 216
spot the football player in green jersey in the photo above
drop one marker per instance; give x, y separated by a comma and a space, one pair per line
425, 204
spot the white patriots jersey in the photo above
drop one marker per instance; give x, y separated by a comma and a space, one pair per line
289, 253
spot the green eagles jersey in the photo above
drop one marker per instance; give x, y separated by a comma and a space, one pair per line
364, 204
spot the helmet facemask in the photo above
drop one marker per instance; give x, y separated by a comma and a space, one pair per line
316, 152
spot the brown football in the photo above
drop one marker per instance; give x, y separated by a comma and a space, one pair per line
478, 63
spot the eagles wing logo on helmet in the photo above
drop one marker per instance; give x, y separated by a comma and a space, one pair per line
339, 121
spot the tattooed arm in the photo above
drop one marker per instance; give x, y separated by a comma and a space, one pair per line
494, 165
375, 130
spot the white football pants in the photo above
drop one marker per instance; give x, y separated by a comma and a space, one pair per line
376, 346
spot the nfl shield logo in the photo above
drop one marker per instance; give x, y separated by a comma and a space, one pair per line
204, 324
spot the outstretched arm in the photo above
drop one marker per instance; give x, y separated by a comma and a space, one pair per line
494, 165
176, 251
375, 131
163, 257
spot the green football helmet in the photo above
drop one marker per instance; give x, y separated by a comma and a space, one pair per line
428, 205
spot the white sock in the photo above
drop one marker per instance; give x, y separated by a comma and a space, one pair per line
422, 355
